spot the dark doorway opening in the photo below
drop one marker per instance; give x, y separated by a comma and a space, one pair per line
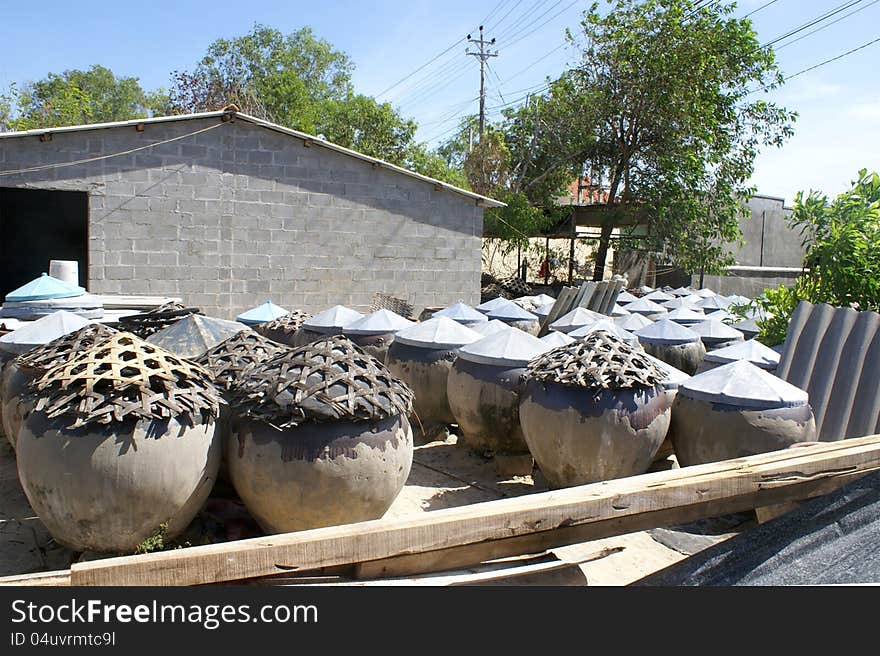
38, 225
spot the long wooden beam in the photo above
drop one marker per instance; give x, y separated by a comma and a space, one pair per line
620, 506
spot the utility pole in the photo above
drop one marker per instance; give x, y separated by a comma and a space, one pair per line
483, 55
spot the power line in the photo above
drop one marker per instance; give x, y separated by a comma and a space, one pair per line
827, 25
834, 59
815, 21
764, 6
820, 64
538, 27
422, 67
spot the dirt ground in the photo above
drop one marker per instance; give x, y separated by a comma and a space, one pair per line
444, 475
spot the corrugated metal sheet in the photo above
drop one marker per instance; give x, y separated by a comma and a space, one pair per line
834, 354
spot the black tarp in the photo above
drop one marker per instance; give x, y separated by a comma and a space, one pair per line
833, 539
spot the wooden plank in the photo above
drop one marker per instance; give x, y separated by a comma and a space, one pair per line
55, 578
618, 506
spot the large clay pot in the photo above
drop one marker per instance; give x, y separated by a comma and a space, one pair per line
319, 474
738, 410
107, 489
14, 400
425, 371
709, 432
421, 356
485, 402
580, 436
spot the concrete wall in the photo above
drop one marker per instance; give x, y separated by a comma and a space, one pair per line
749, 281
230, 217
769, 242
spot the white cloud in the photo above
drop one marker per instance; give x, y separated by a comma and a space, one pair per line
866, 111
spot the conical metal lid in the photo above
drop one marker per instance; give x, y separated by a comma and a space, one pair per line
751, 351
705, 292
658, 296
685, 316
543, 310
462, 313
336, 318
682, 291
541, 299
194, 334
645, 306
619, 311
555, 338
720, 315
41, 331
575, 319
716, 302
633, 322
715, 330
607, 325
268, 311
44, 287
495, 303
748, 326
674, 377
379, 322
487, 328
744, 385
507, 348
682, 302
664, 331
625, 297
512, 312
738, 299
645, 289
437, 333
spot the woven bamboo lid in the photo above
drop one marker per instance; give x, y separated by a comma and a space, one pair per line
331, 379
147, 323
599, 361
231, 360
43, 358
124, 377
283, 328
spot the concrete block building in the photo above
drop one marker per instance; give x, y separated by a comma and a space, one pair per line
225, 210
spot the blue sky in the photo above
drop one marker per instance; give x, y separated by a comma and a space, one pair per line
837, 133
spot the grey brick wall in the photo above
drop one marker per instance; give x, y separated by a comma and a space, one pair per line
236, 215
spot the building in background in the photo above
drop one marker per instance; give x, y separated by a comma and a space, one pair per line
225, 210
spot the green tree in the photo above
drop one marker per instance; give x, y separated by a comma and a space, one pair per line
296, 80
841, 239
77, 97
665, 89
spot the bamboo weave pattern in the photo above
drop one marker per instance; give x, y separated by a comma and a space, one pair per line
327, 380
